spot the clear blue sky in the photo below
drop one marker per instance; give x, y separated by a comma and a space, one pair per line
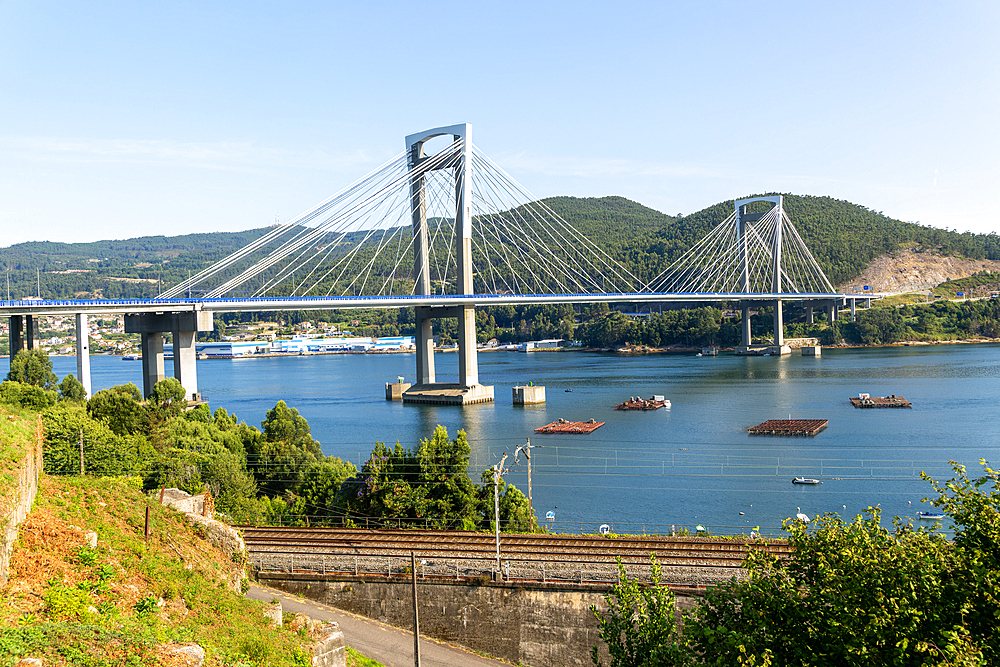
122, 119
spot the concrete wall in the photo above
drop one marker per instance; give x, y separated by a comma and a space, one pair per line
538, 626
16, 504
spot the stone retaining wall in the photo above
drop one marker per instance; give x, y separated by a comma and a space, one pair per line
16, 503
538, 625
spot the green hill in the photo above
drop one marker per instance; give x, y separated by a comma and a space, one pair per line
844, 238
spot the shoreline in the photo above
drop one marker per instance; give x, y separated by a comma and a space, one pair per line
624, 351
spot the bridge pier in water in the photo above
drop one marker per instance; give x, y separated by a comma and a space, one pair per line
427, 389
183, 327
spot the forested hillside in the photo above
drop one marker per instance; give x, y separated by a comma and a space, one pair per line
843, 237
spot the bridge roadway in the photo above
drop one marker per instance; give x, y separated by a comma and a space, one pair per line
43, 307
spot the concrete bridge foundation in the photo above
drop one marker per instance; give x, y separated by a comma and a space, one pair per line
183, 327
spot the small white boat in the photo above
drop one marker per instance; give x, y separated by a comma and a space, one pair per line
804, 480
131, 357
930, 516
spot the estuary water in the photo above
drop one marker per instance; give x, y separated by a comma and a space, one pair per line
689, 465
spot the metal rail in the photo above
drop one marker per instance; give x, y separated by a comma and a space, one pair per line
221, 305
466, 555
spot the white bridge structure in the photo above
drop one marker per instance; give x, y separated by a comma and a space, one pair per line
444, 233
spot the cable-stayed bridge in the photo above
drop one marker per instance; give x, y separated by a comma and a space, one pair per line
443, 233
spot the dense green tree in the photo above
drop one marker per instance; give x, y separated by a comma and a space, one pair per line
320, 487
639, 626
852, 593
120, 408
168, 391
105, 452
285, 424
33, 367
71, 389
27, 395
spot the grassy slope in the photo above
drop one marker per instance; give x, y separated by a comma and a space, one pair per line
121, 602
17, 434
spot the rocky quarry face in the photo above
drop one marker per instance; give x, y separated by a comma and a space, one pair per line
910, 271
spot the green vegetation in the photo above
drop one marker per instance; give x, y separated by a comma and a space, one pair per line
125, 601
853, 593
275, 474
32, 367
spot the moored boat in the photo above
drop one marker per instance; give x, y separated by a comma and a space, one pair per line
804, 480
930, 516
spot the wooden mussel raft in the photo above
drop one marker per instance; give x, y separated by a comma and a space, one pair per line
868, 401
636, 403
563, 426
789, 427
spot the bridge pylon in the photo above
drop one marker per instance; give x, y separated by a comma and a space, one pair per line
744, 225
426, 389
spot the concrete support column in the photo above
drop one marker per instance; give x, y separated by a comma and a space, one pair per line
745, 336
16, 334
183, 326
31, 331
83, 352
152, 361
809, 314
468, 359
779, 325
836, 312
185, 359
831, 312
425, 346
854, 310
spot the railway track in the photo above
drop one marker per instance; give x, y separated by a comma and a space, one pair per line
677, 552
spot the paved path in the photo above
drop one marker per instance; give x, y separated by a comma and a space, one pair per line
390, 646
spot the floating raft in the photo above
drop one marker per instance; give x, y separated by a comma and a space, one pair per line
637, 403
789, 427
880, 402
563, 426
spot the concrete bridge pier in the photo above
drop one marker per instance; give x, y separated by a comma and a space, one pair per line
809, 314
779, 326
745, 336
183, 327
854, 310
426, 389
83, 352
23, 334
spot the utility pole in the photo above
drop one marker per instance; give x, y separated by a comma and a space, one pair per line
416, 617
526, 448
498, 471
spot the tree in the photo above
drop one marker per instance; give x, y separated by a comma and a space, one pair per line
442, 469
168, 390
320, 487
120, 408
27, 395
285, 424
639, 626
33, 367
71, 389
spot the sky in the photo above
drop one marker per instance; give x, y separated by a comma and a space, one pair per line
125, 119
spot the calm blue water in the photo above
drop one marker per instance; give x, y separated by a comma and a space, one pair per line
693, 464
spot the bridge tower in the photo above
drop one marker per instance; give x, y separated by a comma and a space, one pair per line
744, 220
426, 389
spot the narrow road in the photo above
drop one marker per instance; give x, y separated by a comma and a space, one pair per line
390, 646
